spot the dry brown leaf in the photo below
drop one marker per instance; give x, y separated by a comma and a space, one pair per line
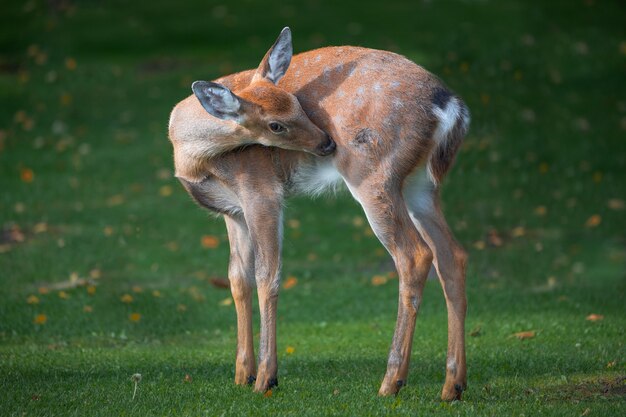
220, 283
494, 238
290, 282
616, 204
166, 191
268, 393
593, 221
594, 317
379, 280
226, 302
70, 63
115, 200
210, 242
27, 175
525, 335
40, 319
518, 232
480, 245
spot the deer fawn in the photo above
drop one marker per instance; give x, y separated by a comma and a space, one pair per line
396, 129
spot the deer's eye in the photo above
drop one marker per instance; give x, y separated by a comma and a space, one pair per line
276, 127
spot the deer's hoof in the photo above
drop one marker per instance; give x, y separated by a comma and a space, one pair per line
452, 392
387, 388
261, 386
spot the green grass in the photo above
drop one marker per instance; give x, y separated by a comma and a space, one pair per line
546, 152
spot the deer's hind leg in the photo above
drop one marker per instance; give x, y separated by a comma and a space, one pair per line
241, 277
390, 221
422, 199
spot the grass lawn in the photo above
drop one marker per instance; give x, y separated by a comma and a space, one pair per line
107, 268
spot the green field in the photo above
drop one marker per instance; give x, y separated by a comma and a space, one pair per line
108, 269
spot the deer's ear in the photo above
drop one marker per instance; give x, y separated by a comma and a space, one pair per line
218, 100
276, 61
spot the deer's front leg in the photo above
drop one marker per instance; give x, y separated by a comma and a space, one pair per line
241, 277
265, 225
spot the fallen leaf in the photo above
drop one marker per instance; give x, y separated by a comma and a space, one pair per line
33, 299
40, 319
518, 232
210, 242
379, 280
226, 301
134, 317
593, 221
137, 289
268, 393
220, 283
115, 200
479, 245
358, 221
187, 379
91, 290
525, 335
156, 293
541, 210
27, 175
88, 309
594, 317
494, 238
63, 295
126, 298
70, 63
616, 204
43, 290
65, 99
181, 308
166, 191
293, 223
290, 282
611, 364
290, 350
475, 332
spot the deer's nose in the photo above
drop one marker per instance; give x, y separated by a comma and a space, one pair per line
327, 147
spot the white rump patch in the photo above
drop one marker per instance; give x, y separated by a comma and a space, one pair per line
448, 117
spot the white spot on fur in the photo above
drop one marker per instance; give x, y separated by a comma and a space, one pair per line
451, 365
338, 121
397, 103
